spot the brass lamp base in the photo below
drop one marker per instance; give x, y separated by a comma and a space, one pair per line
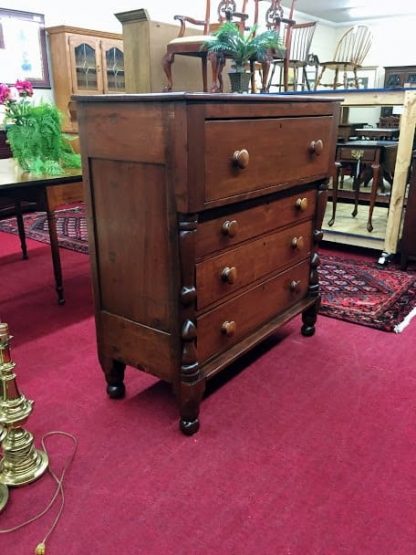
4, 496
21, 463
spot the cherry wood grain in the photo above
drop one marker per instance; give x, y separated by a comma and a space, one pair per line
250, 262
248, 223
288, 159
131, 225
250, 310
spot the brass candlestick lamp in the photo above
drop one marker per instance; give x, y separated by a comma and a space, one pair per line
21, 462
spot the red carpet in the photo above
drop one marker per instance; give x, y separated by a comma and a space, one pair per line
359, 292
310, 449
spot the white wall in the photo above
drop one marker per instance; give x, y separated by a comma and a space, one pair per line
100, 15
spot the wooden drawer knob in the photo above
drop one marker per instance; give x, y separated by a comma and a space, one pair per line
298, 243
316, 147
230, 228
301, 204
229, 274
241, 158
294, 285
229, 328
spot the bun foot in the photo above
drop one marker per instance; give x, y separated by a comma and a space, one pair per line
189, 427
308, 331
116, 391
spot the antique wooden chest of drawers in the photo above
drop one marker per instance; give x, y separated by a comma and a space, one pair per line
204, 213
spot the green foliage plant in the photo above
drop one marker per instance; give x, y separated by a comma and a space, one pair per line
229, 42
37, 142
34, 132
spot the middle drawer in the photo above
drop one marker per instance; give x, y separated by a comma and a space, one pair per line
233, 269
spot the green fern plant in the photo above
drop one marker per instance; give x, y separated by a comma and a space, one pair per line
228, 41
36, 140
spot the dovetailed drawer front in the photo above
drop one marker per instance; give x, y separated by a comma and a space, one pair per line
220, 233
233, 320
249, 155
224, 274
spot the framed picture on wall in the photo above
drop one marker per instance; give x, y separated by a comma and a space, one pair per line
23, 48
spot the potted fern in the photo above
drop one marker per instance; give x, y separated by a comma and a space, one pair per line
34, 132
229, 42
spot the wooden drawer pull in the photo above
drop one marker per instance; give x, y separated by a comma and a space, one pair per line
316, 147
301, 204
241, 158
294, 285
229, 274
298, 243
230, 228
229, 328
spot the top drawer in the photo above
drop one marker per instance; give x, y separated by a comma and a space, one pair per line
248, 155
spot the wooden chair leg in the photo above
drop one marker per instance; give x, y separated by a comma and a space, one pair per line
376, 176
168, 60
305, 79
286, 74
271, 78
216, 70
204, 63
252, 77
357, 86
336, 78
335, 180
318, 81
265, 67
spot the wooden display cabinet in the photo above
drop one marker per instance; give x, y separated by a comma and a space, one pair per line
399, 76
84, 61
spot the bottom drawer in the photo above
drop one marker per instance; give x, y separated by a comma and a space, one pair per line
235, 319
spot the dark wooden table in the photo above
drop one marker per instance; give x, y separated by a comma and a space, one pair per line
48, 192
378, 133
359, 154
347, 130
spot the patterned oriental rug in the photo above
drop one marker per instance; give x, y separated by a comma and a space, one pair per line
352, 290
71, 227
359, 292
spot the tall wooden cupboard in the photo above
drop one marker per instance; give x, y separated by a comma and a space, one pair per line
84, 61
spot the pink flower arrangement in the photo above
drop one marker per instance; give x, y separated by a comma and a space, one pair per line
15, 99
21, 89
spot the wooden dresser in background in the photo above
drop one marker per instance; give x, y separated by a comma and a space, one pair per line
204, 215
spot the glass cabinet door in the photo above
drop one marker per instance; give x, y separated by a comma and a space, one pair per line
113, 66
86, 65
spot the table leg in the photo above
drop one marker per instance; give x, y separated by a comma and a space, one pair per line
356, 187
56, 258
376, 176
21, 228
337, 169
